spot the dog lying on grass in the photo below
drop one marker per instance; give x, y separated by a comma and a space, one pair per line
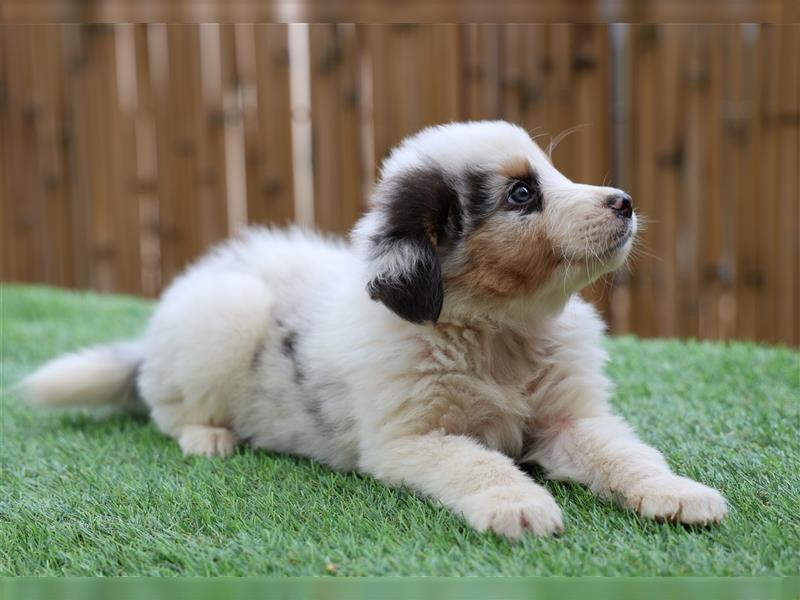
442, 347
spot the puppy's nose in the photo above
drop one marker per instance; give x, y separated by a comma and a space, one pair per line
621, 203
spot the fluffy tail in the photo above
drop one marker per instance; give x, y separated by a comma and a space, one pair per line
95, 376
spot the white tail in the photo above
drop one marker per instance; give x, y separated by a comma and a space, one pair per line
95, 376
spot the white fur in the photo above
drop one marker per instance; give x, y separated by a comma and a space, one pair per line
90, 377
273, 339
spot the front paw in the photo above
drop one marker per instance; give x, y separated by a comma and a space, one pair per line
511, 511
674, 498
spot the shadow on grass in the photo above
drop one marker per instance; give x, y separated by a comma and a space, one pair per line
571, 493
103, 421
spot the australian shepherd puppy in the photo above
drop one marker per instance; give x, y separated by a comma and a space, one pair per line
442, 347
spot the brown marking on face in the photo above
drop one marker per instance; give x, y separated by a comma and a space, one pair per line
507, 259
516, 168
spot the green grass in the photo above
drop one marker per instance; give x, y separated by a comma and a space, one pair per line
88, 496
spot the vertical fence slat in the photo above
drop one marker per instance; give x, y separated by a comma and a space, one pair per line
47, 58
766, 180
735, 133
176, 54
25, 210
703, 79
6, 263
211, 173
242, 115
675, 254
680, 162
146, 164
93, 100
788, 232
159, 71
272, 201
757, 155
74, 65
120, 142
335, 121
643, 46
326, 58
725, 185
349, 146
186, 89
512, 78
621, 150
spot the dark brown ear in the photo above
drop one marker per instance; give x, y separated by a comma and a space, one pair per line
415, 291
420, 212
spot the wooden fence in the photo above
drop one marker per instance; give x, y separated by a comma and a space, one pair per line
125, 150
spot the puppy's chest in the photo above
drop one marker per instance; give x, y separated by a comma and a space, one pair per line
480, 384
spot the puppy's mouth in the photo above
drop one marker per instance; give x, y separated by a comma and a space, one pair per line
619, 243
609, 251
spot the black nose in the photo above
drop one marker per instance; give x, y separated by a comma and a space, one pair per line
622, 204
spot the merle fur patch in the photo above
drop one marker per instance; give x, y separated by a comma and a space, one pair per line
255, 361
313, 401
289, 350
479, 202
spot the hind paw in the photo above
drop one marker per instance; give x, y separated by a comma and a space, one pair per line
207, 441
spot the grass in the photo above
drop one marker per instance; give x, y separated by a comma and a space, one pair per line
89, 496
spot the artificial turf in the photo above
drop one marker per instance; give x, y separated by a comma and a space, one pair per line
83, 495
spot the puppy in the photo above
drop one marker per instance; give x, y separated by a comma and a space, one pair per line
443, 347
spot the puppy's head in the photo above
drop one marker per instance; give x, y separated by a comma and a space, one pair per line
474, 217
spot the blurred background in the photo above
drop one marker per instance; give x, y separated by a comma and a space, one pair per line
126, 150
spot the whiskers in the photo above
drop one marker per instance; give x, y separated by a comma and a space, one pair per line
554, 141
591, 261
641, 247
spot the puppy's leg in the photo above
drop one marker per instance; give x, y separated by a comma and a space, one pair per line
201, 345
605, 454
482, 485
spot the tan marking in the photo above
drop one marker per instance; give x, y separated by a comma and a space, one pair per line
516, 168
506, 259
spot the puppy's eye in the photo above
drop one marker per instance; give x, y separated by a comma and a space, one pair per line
520, 195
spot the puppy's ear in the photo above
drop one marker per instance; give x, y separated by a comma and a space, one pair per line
410, 282
415, 214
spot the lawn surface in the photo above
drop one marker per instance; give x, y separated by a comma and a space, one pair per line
85, 496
